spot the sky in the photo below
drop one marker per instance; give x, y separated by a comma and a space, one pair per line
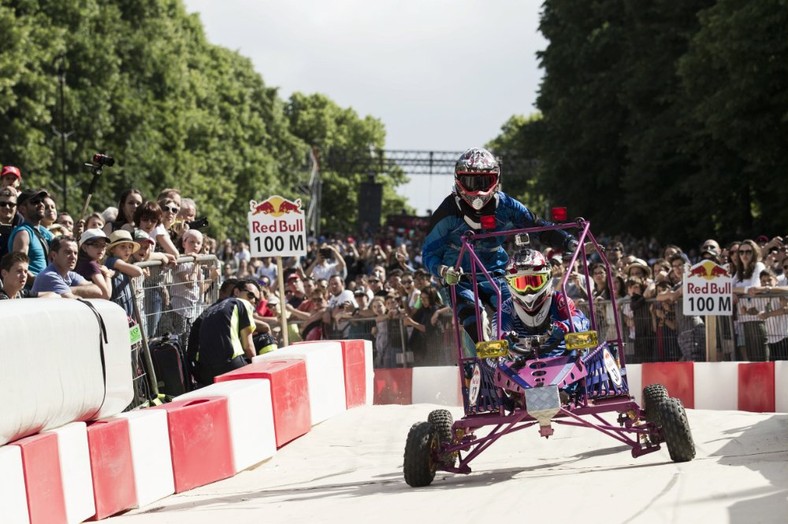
442, 75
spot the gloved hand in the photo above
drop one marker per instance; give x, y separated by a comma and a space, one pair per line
571, 247
557, 331
451, 276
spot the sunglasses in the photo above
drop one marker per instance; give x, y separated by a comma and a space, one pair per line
172, 210
407, 282
7, 204
36, 201
745, 251
251, 296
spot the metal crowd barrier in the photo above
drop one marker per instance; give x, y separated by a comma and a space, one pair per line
165, 305
653, 332
669, 336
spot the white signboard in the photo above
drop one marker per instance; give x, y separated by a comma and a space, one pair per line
277, 228
708, 290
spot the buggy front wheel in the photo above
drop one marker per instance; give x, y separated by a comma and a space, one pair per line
420, 455
676, 430
442, 421
653, 396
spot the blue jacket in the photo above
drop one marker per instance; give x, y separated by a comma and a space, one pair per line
449, 223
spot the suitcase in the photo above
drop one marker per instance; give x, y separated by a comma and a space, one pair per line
169, 364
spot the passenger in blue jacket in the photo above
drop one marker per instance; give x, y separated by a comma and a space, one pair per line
476, 204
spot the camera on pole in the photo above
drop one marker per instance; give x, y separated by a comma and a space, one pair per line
96, 165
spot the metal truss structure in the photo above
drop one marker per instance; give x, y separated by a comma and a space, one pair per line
380, 161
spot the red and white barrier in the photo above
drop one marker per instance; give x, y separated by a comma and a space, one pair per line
742, 386
72, 472
46, 503
324, 372
249, 417
289, 394
76, 478
13, 496
150, 454
200, 441
112, 467
357, 363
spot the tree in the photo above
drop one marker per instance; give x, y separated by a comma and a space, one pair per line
145, 86
349, 150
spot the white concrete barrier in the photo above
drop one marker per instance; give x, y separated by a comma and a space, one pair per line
150, 453
13, 495
716, 385
72, 446
52, 371
324, 372
781, 386
437, 385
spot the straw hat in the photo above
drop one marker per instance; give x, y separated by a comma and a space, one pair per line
121, 236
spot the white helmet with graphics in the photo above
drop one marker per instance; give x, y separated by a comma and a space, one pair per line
528, 277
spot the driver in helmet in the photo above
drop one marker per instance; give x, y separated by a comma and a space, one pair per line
477, 204
534, 308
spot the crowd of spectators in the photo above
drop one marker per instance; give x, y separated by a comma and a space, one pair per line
371, 285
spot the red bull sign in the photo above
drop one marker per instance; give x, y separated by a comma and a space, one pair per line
277, 228
708, 290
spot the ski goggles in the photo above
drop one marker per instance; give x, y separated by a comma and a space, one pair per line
477, 182
525, 283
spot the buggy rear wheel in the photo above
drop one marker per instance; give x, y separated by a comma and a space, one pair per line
653, 396
676, 430
420, 449
442, 421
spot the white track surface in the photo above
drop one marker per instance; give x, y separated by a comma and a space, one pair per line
348, 469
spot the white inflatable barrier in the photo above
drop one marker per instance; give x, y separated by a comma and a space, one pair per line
52, 371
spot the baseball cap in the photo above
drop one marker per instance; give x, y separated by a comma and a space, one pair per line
11, 170
30, 194
141, 236
90, 234
359, 292
273, 301
293, 276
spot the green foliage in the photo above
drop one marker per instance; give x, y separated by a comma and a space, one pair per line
144, 85
519, 146
664, 119
350, 149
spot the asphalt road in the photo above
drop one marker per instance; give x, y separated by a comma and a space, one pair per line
349, 469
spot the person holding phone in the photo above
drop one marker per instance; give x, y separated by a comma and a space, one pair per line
328, 262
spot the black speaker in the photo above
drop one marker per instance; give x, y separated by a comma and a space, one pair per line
370, 198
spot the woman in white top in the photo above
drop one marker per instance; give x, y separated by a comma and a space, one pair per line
751, 331
163, 232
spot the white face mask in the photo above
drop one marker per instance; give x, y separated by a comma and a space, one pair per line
533, 320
